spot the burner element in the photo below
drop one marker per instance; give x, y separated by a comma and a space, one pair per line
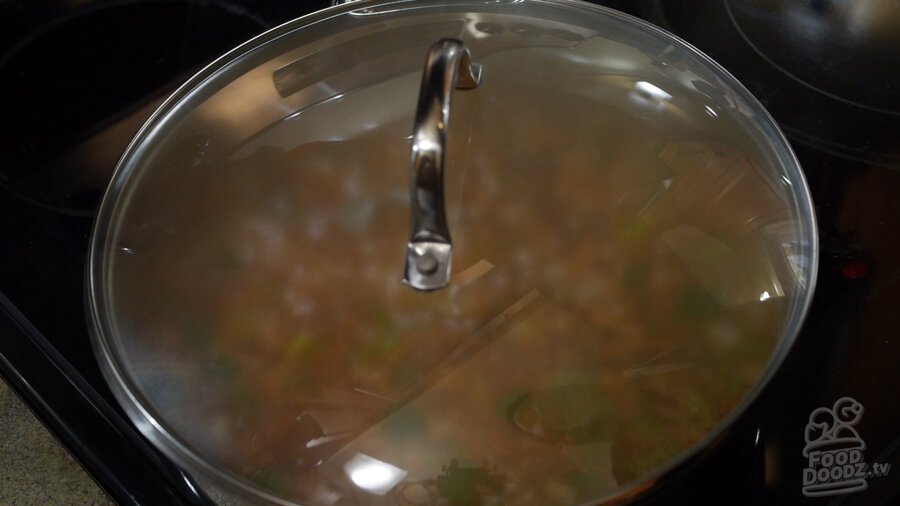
90, 79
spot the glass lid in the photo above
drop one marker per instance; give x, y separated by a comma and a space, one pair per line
313, 279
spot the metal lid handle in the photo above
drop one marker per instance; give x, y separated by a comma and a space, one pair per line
429, 250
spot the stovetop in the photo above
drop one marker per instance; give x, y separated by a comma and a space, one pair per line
78, 79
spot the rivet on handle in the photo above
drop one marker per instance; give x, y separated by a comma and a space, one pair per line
429, 250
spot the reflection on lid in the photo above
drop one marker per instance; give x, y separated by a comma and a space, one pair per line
373, 475
645, 91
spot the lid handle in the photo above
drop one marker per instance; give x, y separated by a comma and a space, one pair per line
429, 250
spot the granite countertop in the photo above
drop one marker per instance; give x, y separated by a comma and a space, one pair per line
35, 469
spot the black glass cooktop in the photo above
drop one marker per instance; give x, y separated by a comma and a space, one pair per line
79, 78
